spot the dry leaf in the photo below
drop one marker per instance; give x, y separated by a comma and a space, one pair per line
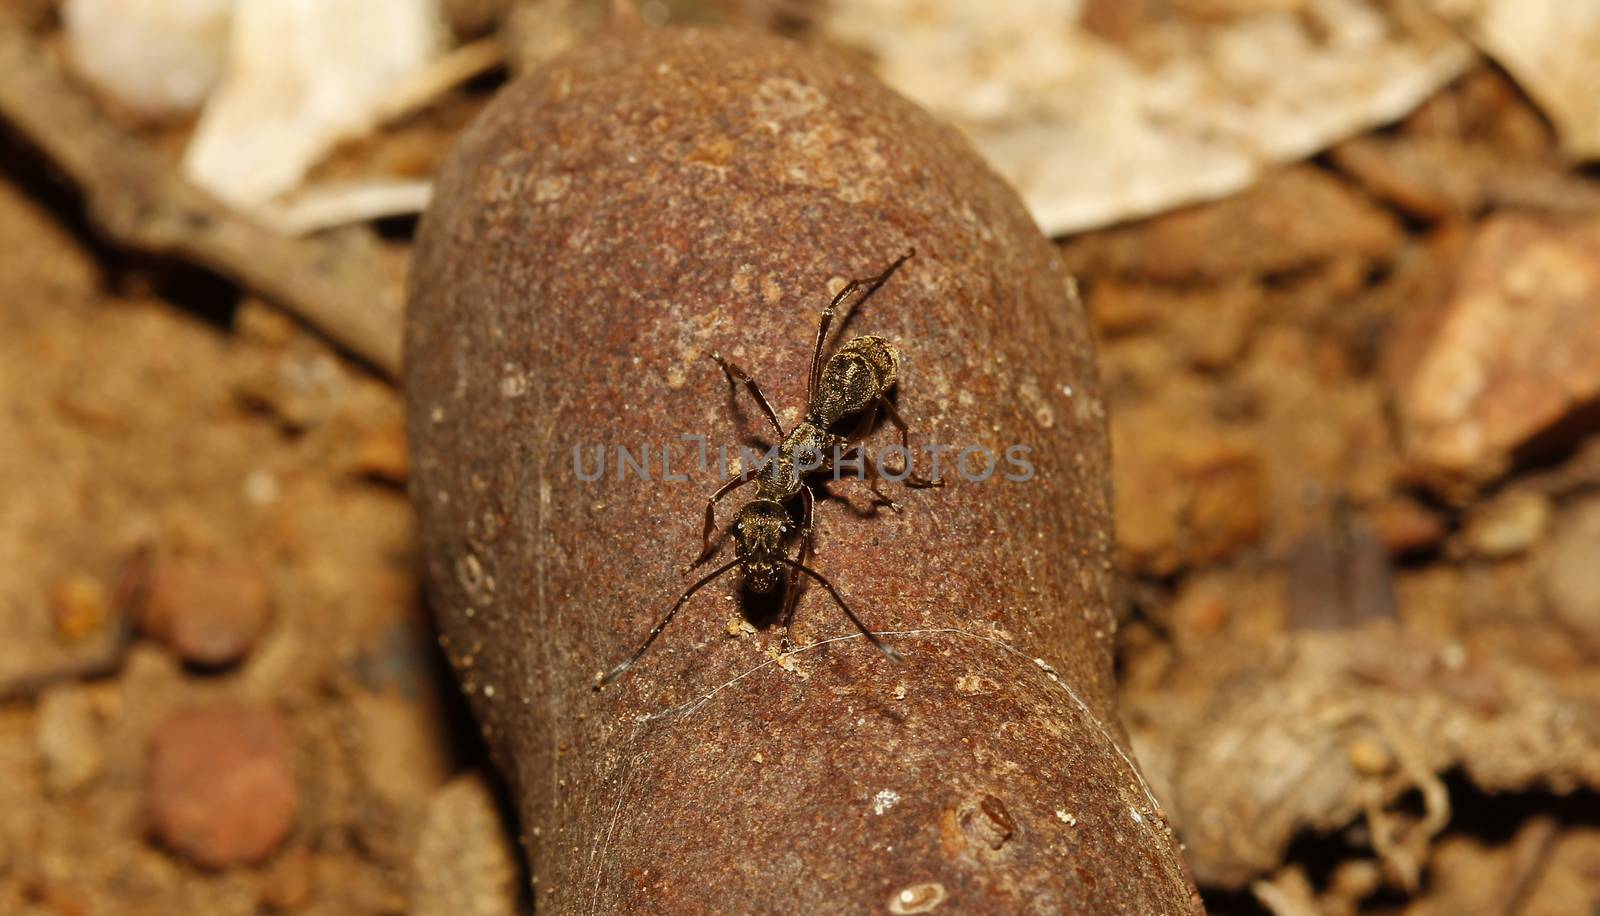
1332, 727
1093, 132
1552, 49
301, 76
155, 59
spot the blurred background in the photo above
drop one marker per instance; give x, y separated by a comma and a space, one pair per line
1343, 258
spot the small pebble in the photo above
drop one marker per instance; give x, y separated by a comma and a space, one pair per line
1508, 525
209, 612
68, 740
381, 455
261, 488
464, 863
1369, 756
1404, 525
220, 787
80, 605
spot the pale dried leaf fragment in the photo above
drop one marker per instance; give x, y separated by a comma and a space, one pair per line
1093, 133
1552, 49
301, 76
328, 206
156, 59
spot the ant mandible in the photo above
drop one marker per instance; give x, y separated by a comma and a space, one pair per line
855, 380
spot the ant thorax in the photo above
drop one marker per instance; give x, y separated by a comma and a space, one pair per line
805, 449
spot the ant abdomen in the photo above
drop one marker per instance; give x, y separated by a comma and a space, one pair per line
855, 377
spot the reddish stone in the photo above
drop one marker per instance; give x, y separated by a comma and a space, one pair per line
381, 455
1514, 354
1290, 220
1405, 526
1189, 492
209, 612
221, 788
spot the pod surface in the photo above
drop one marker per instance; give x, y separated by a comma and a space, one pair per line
610, 221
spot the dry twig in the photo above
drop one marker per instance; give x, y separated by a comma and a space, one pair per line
139, 202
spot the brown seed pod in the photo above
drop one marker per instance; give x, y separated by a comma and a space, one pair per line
610, 221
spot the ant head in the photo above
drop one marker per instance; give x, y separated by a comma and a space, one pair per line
758, 532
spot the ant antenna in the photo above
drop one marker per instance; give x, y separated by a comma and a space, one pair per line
617, 672
888, 650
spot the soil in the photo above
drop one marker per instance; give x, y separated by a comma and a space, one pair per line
1361, 681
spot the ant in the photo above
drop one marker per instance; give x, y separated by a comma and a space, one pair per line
855, 380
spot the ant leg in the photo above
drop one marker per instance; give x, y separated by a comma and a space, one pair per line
851, 443
728, 486
616, 672
872, 637
791, 594
822, 335
869, 419
871, 285
870, 470
871, 473
912, 479
737, 376
875, 474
